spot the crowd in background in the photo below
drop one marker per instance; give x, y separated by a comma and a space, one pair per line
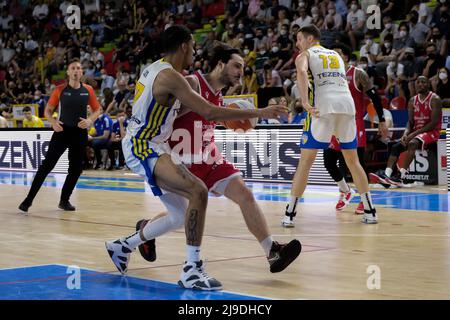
36, 43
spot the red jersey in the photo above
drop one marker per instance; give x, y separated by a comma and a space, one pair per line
358, 95
422, 112
202, 140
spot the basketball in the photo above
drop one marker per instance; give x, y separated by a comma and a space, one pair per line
244, 125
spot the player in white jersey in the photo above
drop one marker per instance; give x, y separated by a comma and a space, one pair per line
159, 92
325, 95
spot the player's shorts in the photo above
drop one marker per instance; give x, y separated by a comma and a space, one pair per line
428, 137
318, 131
361, 136
141, 157
216, 176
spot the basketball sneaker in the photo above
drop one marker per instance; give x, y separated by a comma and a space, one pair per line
119, 251
360, 208
370, 217
148, 248
395, 181
282, 254
288, 219
380, 177
194, 276
344, 199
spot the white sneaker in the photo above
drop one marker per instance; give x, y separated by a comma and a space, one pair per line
288, 222
194, 276
370, 217
119, 251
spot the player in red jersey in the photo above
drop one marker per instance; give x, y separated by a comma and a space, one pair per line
423, 128
359, 84
205, 161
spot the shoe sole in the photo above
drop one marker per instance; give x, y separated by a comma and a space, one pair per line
65, 209
291, 252
369, 222
380, 180
359, 212
287, 225
394, 183
150, 258
180, 283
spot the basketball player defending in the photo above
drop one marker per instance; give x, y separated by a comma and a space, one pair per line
423, 128
359, 83
331, 111
205, 161
160, 91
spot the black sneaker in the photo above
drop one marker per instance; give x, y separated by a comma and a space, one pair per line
66, 206
24, 206
148, 248
380, 177
281, 255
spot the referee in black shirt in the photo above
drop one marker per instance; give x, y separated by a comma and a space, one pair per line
72, 100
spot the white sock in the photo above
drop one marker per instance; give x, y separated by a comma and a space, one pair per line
403, 173
367, 200
134, 240
343, 186
388, 172
292, 204
192, 253
266, 244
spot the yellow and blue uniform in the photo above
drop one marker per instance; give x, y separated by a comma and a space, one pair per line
149, 127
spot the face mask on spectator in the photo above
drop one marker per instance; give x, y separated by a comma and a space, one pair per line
287, 83
241, 40
199, 52
301, 5
443, 75
283, 32
262, 52
369, 42
270, 34
387, 45
103, 76
99, 65
241, 26
354, 7
402, 34
275, 49
37, 97
11, 71
388, 25
362, 66
246, 51
315, 15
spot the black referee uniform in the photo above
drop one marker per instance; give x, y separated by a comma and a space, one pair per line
72, 105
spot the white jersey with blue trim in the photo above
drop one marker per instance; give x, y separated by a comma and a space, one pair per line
151, 122
329, 91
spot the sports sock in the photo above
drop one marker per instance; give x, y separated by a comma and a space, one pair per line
343, 186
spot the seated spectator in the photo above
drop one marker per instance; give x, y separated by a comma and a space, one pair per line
394, 73
439, 40
417, 30
370, 49
3, 122
31, 121
113, 107
38, 99
271, 77
423, 129
433, 62
317, 18
441, 85
304, 19
383, 56
118, 133
404, 40
389, 28
101, 138
333, 16
249, 81
330, 35
356, 19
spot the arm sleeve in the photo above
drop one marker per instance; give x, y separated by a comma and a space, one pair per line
372, 94
54, 98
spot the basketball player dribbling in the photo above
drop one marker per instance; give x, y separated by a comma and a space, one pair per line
160, 91
325, 95
206, 163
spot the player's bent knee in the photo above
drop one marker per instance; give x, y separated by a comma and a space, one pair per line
413, 145
198, 191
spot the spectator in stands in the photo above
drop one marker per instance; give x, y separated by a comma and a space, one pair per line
261, 57
304, 19
40, 101
31, 121
264, 15
107, 80
40, 11
330, 35
113, 107
394, 73
370, 49
333, 16
30, 44
356, 20
389, 28
317, 18
63, 7
383, 56
261, 41
118, 133
3, 122
100, 140
441, 85
433, 62
5, 20
283, 20
441, 18
439, 40
410, 72
249, 83
404, 40
417, 30
271, 77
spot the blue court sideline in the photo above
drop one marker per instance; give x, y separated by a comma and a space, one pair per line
420, 201
54, 282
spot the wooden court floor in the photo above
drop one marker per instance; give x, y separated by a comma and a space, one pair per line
409, 249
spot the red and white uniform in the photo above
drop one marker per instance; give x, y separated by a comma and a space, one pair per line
358, 98
204, 160
422, 116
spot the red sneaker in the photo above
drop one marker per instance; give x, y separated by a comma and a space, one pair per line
344, 200
360, 208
